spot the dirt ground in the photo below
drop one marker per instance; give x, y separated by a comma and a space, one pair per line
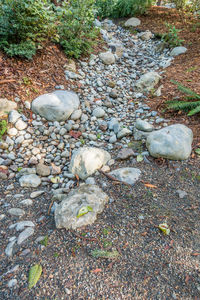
150, 265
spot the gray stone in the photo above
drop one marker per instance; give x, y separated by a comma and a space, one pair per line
43, 170
128, 175
123, 132
12, 283
125, 153
107, 57
36, 194
132, 22
6, 106
143, 125
86, 195
181, 194
31, 180
178, 50
24, 235
98, 112
76, 114
56, 106
147, 35
85, 161
18, 212
9, 247
26, 202
172, 142
147, 81
19, 226
13, 116
90, 180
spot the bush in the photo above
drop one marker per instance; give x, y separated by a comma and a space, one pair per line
76, 30
171, 37
24, 24
105, 8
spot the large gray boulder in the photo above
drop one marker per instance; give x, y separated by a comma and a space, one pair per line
86, 197
147, 81
56, 106
6, 106
85, 161
132, 22
172, 142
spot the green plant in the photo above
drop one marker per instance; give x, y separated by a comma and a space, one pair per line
25, 24
192, 107
105, 8
76, 30
3, 128
171, 37
126, 8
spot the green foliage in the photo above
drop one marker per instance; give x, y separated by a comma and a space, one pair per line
34, 275
105, 254
76, 30
24, 24
192, 107
171, 37
44, 242
3, 128
121, 8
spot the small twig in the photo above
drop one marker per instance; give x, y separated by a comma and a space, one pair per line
113, 178
50, 206
7, 81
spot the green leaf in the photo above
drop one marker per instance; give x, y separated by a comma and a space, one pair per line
34, 275
139, 158
84, 210
197, 151
164, 228
44, 242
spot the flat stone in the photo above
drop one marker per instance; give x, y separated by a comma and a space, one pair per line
143, 125
128, 175
125, 153
43, 170
26, 202
76, 115
98, 112
9, 247
12, 283
107, 58
12, 131
13, 116
147, 81
20, 125
85, 196
85, 161
31, 180
36, 194
181, 194
123, 132
18, 212
56, 106
24, 235
21, 225
178, 50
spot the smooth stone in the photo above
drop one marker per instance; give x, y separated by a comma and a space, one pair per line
85, 161
181, 194
98, 112
132, 22
128, 175
148, 81
56, 106
76, 115
43, 170
12, 283
26, 202
20, 125
31, 180
21, 225
123, 132
172, 142
125, 153
178, 50
86, 195
36, 194
9, 247
107, 58
18, 212
143, 125
13, 116
90, 180
24, 235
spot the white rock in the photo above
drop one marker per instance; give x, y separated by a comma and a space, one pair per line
86, 195
13, 116
172, 142
12, 283
107, 58
123, 132
6, 106
98, 112
85, 161
178, 50
36, 194
24, 235
20, 125
128, 175
16, 212
31, 180
19, 139
90, 180
56, 106
147, 81
132, 22
12, 131
76, 114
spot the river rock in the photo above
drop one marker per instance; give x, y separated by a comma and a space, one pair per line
31, 180
143, 125
85, 161
147, 81
132, 22
178, 50
128, 175
13, 116
107, 58
172, 142
85, 196
6, 106
56, 106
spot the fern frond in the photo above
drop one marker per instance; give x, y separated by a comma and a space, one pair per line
181, 105
193, 98
185, 90
194, 111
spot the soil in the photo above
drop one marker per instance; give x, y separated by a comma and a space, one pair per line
150, 265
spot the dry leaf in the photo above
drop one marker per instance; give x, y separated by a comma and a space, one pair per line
150, 185
96, 270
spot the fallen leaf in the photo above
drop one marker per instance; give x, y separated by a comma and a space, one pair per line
164, 228
75, 134
96, 270
151, 185
84, 210
34, 275
195, 254
187, 278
